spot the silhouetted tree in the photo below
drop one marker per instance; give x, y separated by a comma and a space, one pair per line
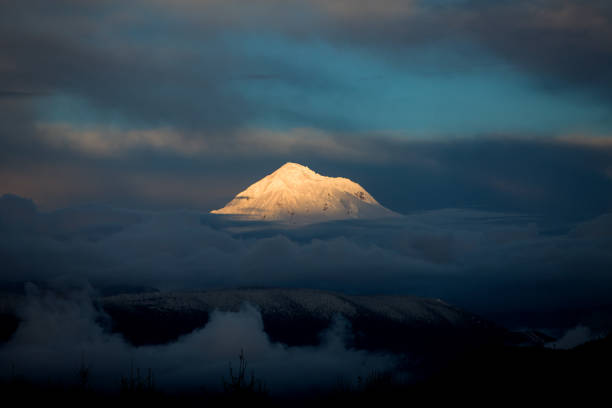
241, 386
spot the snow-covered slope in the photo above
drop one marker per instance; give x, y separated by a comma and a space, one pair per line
298, 195
298, 316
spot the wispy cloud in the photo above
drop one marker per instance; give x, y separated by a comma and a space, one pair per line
108, 142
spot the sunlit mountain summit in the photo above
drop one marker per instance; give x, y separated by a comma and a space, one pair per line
296, 194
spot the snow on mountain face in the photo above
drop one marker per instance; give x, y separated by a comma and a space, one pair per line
298, 195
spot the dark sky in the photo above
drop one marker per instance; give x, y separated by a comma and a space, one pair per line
497, 105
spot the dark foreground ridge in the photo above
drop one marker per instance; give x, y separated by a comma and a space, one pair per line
297, 317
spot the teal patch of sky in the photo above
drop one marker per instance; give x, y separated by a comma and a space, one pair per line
368, 92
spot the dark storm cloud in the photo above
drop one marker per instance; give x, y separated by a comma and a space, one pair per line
139, 82
559, 178
165, 62
19, 94
560, 43
135, 63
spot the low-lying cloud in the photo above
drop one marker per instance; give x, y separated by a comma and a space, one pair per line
485, 262
62, 331
574, 337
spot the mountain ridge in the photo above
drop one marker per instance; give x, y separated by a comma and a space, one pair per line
296, 317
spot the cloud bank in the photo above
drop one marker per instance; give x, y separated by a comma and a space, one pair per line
484, 262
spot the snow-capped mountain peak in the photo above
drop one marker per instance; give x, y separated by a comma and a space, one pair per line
296, 194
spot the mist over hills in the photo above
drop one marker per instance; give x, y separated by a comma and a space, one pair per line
118, 282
